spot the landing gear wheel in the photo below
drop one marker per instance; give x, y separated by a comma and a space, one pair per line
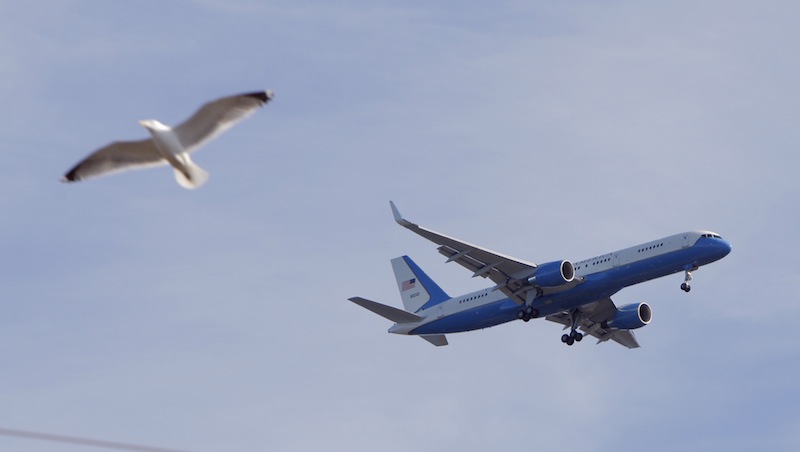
685, 287
527, 313
572, 337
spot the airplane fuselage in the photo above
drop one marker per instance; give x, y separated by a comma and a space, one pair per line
599, 277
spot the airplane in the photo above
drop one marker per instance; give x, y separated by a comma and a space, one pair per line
575, 295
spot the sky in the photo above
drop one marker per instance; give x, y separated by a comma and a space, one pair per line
134, 311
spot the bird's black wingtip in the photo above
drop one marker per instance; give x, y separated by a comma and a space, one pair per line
263, 96
71, 176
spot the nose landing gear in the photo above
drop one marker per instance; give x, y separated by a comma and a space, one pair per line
685, 286
688, 269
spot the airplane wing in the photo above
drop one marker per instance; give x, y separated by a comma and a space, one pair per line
593, 315
505, 271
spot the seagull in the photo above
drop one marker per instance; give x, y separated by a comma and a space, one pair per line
171, 145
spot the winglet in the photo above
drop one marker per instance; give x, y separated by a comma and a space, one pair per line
399, 218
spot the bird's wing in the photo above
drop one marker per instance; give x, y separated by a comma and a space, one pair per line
116, 157
217, 116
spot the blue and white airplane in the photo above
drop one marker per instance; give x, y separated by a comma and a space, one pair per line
577, 295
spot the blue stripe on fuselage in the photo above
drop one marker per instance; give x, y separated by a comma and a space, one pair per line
597, 286
490, 314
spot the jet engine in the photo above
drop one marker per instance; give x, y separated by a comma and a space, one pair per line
630, 317
553, 274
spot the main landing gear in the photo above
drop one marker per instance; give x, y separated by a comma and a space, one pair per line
527, 313
574, 335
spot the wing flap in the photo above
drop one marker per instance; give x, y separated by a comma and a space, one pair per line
625, 337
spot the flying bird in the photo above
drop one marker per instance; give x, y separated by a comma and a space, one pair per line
171, 145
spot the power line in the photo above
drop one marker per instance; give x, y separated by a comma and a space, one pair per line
82, 441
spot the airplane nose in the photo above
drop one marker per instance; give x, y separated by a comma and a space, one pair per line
724, 247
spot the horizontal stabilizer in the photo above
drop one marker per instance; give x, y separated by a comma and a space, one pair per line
435, 339
393, 314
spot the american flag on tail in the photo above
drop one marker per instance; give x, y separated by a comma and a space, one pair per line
408, 285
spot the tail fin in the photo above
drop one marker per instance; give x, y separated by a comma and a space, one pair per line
194, 177
417, 290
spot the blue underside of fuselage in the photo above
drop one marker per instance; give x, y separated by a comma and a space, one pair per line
596, 287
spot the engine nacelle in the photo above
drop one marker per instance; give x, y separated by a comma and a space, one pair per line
553, 274
630, 317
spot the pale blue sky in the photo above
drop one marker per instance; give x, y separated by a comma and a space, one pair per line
217, 319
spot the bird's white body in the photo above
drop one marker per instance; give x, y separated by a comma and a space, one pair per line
170, 148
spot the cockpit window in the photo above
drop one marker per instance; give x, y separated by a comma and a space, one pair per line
710, 236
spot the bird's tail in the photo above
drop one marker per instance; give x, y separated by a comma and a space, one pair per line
190, 176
